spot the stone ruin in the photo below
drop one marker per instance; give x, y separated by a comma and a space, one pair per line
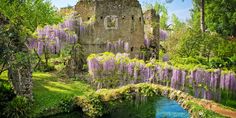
110, 25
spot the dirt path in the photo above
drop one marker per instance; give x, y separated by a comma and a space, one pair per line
218, 108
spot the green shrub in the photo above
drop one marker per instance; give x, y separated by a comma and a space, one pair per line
19, 107
67, 104
216, 63
45, 68
49, 68
202, 60
6, 94
228, 63
233, 60
189, 60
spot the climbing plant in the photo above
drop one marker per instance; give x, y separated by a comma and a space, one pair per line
15, 32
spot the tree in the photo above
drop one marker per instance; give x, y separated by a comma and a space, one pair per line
164, 18
160, 10
202, 9
23, 17
221, 16
217, 16
176, 23
199, 6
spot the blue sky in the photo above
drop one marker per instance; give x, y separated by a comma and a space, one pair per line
178, 7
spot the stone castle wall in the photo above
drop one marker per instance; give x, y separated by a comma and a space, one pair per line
104, 21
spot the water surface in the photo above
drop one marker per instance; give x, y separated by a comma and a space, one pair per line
154, 107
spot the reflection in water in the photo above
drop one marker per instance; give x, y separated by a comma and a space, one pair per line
154, 107
166, 108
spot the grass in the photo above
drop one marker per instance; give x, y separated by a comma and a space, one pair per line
49, 89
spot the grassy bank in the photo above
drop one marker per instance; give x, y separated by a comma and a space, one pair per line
49, 89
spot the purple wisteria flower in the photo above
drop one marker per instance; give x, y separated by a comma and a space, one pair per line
147, 42
52, 36
201, 83
126, 47
109, 65
93, 66
183, 77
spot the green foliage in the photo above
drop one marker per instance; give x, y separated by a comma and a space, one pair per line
190, 44
233, 60
30, 14
91, 104
66, 51
221, 16
6, 94
141, 107
217, 63
105, 101
160, 10
67, 104
200, 112
164, 18
45, 68
195, 16
20, 25
186, 61
177, 24
50, 89
19, 107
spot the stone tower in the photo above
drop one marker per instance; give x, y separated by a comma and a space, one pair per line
110, 25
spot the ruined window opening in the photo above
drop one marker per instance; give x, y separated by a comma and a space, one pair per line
132, 49
88, 18
101, 17
123, 17
140, 19
132, 17
111, 22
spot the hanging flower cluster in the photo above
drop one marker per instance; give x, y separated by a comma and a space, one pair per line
118, 46
53, 38
148, 40
107, 67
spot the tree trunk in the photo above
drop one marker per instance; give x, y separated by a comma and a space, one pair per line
202, 9
20, 75
156, 36
74, 65
46, 54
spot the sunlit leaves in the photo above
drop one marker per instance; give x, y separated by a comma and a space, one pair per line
28, 13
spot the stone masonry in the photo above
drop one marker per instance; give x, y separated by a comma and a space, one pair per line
110, 21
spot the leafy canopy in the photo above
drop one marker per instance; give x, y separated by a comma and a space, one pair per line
27, 15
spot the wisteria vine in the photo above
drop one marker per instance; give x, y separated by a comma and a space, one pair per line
109, 70
119, 46
53, 38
